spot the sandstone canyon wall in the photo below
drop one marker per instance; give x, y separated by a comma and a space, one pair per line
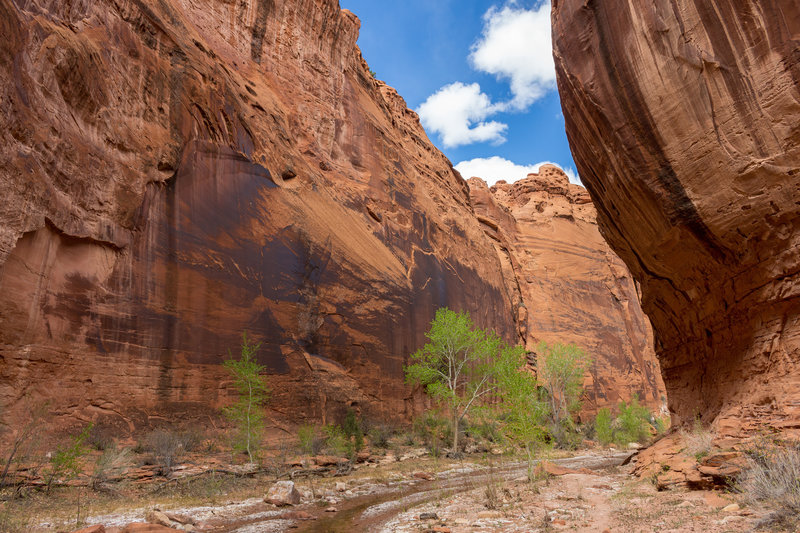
682, 118
177, 172
570, 286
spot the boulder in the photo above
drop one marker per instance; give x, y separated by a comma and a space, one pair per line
283, 493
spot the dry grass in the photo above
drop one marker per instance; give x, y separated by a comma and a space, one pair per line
773, 481
698, 440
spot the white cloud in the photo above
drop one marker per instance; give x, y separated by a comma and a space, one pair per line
492, 169
516, 45
457, 112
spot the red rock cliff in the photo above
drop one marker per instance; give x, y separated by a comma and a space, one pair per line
176, 172
682, 119
569, 285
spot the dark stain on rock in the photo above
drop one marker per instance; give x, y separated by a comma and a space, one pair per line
263, 10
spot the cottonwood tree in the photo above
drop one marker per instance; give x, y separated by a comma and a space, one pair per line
561, 371
457, 367
248, 410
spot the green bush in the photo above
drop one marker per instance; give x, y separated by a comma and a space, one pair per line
634, 422
352, 430
602, 426
337, 441
311, 439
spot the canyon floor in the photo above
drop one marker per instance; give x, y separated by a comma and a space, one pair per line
589, 491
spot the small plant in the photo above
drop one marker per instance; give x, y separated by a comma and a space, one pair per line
65, 463
773, 481
247, 412
373, 74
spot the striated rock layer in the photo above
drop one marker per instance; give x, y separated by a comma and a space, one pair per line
682, 119
568, 285
177, 172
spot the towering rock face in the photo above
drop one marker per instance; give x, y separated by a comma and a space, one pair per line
174, 173
683, 123
568, 285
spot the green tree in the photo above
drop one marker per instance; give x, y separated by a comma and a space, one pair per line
247, 411
525, 409
457, 366
561, 371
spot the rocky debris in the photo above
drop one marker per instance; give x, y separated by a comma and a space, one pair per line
164, 191
341, 486
283, 493
426, 476
429, 516
558, 265
681, 123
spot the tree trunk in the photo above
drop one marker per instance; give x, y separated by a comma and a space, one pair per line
455, 434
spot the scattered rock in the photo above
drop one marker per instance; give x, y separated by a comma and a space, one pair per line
685, 503
440, 529
341, 486
634, 446
179, 518
559, 522
157, 517
732, 508
429, 516
331, 510
490, 514
283, 493
424, 475
328, 460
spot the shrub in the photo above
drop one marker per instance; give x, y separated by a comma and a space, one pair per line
337, 441
602, 426
379, 435
167, 447
311, 439
773, 481
352, 430
432, 430
634, 422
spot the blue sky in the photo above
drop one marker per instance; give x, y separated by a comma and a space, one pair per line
480, 74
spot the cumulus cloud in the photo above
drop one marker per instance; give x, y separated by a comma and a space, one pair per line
516, 45
457, 112
492, 169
